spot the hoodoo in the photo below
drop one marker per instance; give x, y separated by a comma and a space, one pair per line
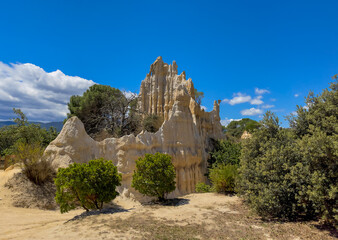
185, 134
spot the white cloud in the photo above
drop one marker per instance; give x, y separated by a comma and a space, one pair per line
257, 101
273, 99
238, 98
296, 95
226, 121
261, 91
204, 108
268, 106
251, 112
42, 96
129, 94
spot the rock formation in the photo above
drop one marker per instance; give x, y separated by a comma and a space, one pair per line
246, 135
185, 133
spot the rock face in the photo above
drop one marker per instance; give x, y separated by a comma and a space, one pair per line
185, 134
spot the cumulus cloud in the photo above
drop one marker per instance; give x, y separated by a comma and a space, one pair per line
42, 96
204, 108
226, 121
257, 100
238, 98
243, 98
251, 112
296, 95
261, 91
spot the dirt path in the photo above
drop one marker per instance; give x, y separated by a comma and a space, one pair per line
195, 216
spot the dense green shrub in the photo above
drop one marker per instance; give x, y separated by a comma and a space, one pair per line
23, 132
202, 188
35, 166
316, 127
87, 185
154, 175
152, 123
272, 175
225, 152
223, 177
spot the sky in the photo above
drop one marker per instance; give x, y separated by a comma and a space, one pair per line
253, 55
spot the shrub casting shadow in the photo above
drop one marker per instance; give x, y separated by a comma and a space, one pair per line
174, 202
331, 229
109, 210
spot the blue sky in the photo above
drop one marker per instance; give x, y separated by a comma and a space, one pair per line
228, 48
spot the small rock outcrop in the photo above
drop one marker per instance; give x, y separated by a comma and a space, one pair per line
185, 134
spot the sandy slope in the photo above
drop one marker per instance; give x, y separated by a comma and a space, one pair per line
195, 216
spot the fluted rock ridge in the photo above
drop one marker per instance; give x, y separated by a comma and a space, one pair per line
185, 134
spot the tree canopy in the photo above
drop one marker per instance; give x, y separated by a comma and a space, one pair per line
23, 132
236, 128
105, 109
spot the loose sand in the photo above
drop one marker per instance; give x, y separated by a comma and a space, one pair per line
194, 216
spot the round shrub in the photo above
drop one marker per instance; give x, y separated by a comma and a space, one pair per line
87, 185
202, 188
154, 175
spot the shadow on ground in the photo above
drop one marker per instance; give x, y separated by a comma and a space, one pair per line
108, 210
174, 202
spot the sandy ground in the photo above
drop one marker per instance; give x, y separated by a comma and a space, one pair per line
195, 216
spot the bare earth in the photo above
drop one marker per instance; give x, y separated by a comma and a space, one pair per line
194, 216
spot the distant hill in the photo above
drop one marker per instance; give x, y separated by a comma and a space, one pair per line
57, 125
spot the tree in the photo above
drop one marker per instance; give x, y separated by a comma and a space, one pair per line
236, 128
154, 175
24, 132
87, 185
316, 127
225, 152
198, 97
103, 108
272, 175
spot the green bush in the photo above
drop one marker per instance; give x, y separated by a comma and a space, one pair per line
202, 188
35, 166
223, 177
87, 185
316, 128
154, 175
273, 178
23, 132
225, 152
152, 123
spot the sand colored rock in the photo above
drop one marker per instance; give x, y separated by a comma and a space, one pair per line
185, 133
246, 135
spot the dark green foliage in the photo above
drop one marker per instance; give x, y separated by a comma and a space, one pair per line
105, 109
236, 128
271, 172
223, 164
154, 175
87, 185
223, 177
317, 131
202, 188
152, 123
23, 132
225, 152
